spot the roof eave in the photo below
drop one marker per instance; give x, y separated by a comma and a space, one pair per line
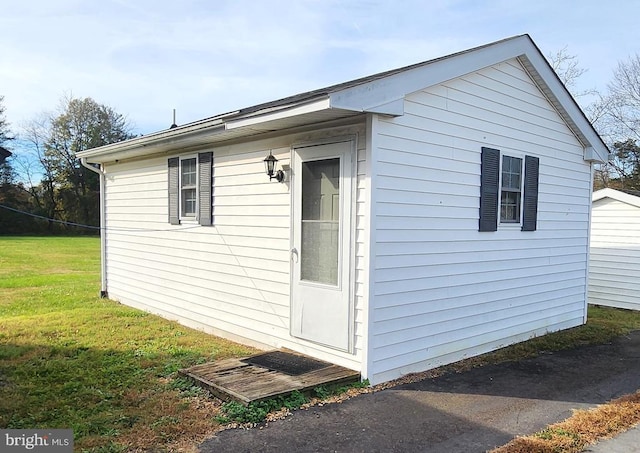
204, 133
397, 84
595, 150
156, 139
382, 94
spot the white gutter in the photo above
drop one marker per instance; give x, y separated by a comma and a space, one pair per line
205, 127
103, 235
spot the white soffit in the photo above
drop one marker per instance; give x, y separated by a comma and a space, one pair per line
296, 110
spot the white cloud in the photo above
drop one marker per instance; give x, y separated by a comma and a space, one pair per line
145, 57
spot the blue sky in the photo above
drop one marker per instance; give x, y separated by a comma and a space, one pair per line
147, 57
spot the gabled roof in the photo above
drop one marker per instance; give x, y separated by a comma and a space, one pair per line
381, 93
618, 195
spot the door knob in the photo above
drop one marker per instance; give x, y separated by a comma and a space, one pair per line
294, 253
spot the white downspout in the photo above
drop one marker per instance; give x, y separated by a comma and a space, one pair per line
103, 235
586, 290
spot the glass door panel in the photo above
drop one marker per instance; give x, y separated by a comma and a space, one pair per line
320, 229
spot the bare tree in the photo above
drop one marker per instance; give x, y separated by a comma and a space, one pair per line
623, 108
12, 193
61, 188
80, 124
35, 169
569, 71
618, 122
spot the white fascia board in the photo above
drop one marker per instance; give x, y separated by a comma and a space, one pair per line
396, 86
393, 108
148, 144
616, 195
365, 97
594, 148
285, 112
592, 154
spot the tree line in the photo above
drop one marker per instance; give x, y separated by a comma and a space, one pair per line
40, 174
43, 176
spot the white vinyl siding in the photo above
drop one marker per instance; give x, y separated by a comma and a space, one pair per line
232, 278
428, 287
614, 264
441, 290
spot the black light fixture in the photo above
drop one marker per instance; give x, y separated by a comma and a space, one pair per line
270, 167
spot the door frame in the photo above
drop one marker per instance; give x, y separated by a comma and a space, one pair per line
350, 254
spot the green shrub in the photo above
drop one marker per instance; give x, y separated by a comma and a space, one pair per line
256, 412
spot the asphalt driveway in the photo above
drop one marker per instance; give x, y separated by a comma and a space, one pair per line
472, 411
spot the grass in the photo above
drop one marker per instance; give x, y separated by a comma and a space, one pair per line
69, 359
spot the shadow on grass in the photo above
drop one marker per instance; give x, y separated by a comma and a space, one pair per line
107, 397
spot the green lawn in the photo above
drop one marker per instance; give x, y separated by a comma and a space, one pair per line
69, 359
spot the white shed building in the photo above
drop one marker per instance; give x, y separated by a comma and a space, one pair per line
427, 214
614, 266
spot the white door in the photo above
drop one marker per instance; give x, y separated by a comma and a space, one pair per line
320, 257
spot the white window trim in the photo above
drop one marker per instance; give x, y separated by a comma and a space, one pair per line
188, 219
518, 224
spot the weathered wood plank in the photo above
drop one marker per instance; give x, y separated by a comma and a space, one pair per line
245, 383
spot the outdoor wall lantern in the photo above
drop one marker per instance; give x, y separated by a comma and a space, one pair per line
270, 166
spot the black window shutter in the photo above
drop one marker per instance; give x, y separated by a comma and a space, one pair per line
489, 183
205, 163
530, 205
174, 190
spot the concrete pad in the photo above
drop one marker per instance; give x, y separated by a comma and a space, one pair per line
626, 442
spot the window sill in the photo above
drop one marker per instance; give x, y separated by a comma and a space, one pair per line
510, 226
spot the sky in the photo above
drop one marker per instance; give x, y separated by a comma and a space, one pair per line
145, 58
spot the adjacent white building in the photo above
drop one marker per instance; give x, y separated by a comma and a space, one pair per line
614, 268
427, 214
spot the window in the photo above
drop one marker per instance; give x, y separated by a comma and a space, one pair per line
511, 192
512, 187
188, 187
191, 188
